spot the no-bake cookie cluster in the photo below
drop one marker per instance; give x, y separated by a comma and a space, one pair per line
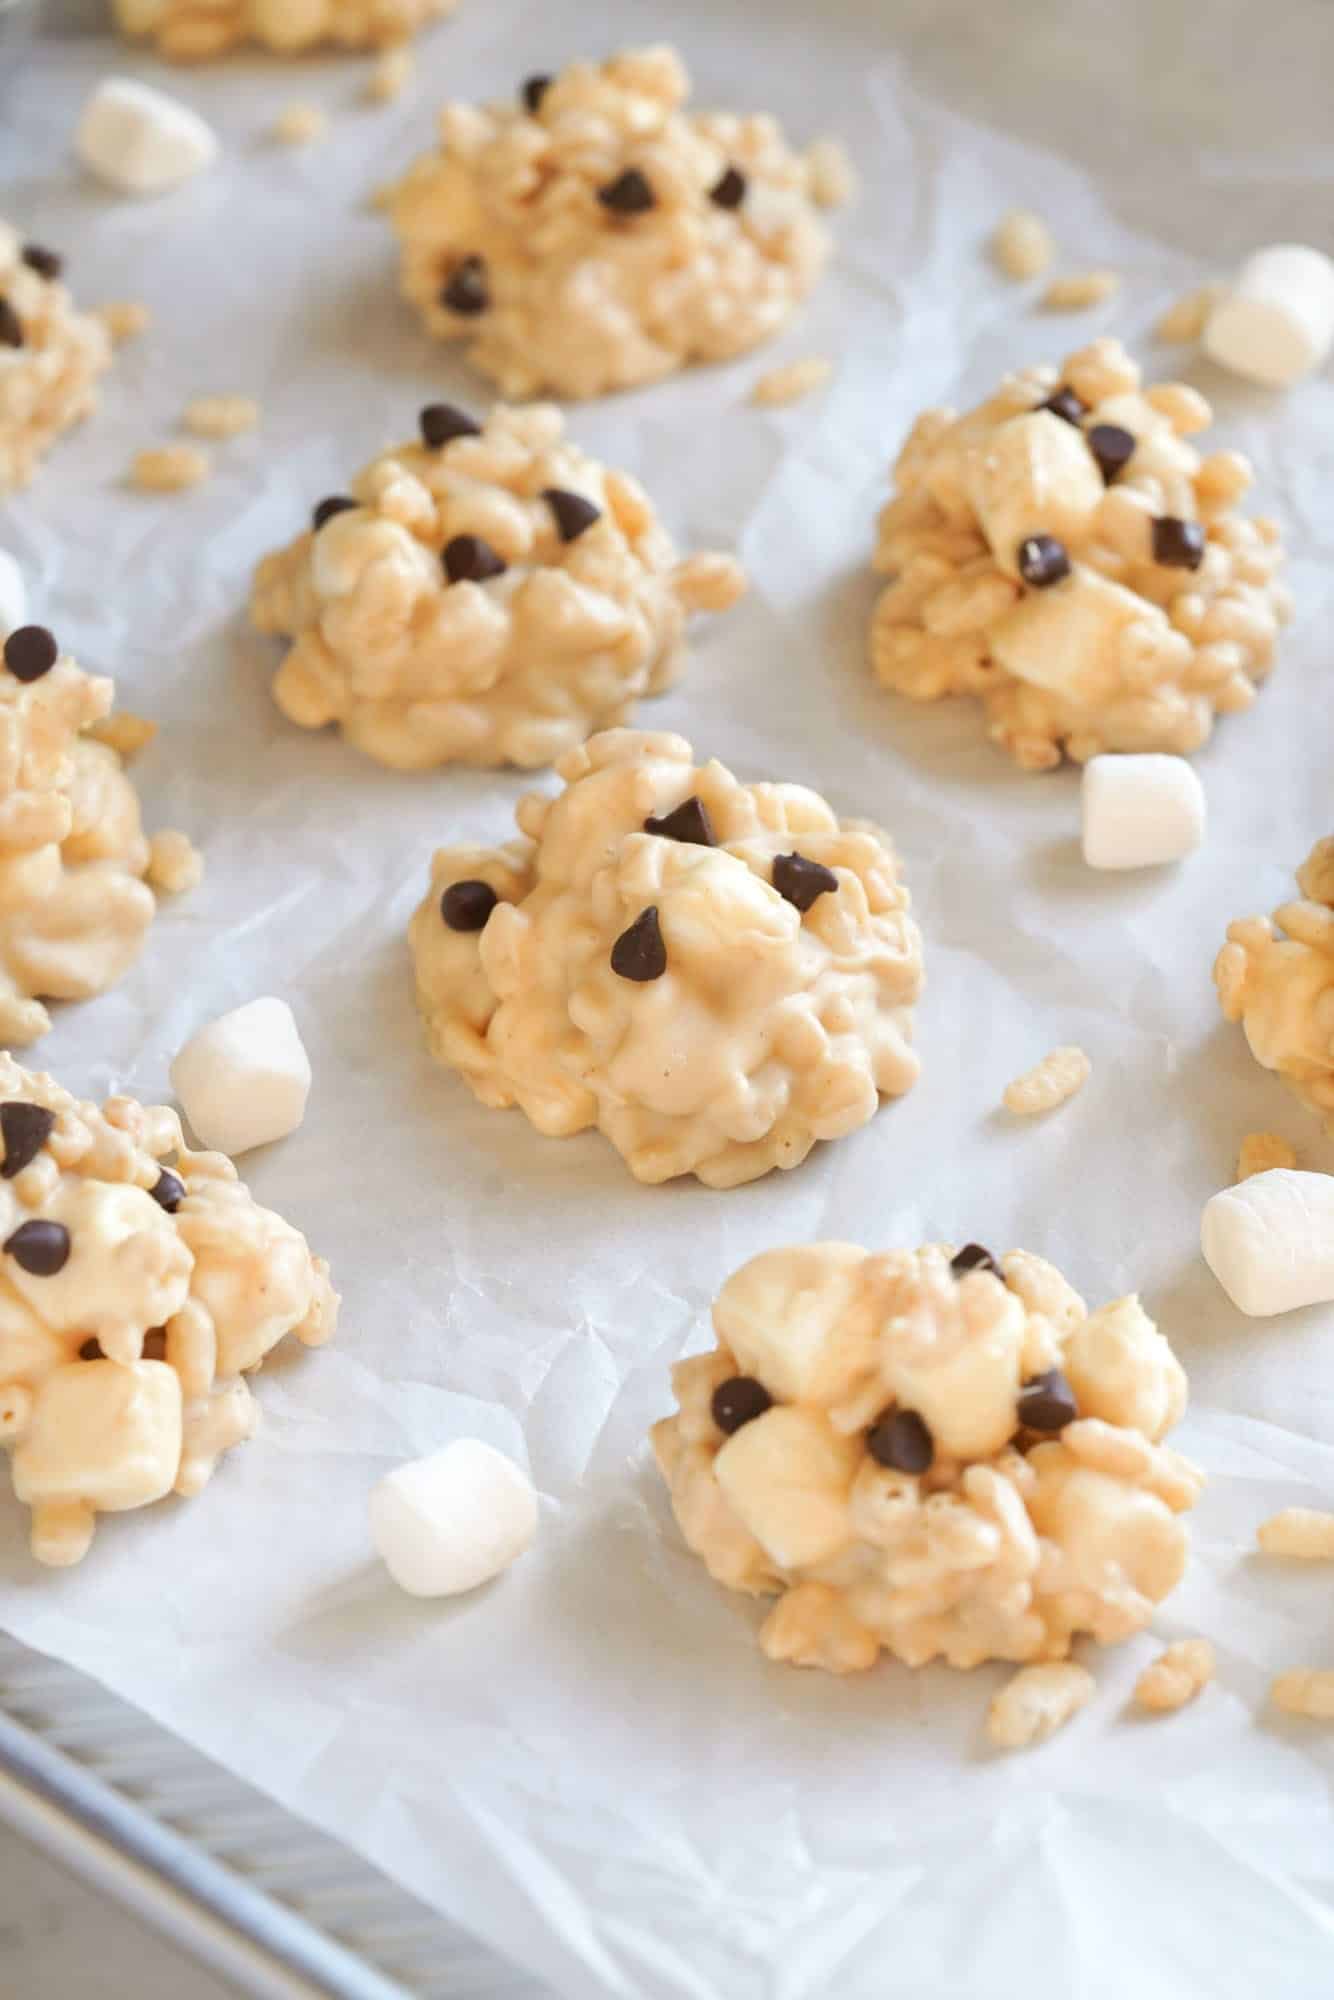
50, 356
197, 30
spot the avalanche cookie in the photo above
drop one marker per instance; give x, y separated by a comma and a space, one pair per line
1063, 553
1277, 978
135, 1297
195, 30
488, 595
74, 863
593, 234
50, 357
714, 974
944, 1456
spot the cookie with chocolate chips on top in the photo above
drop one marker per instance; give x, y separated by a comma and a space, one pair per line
51, 356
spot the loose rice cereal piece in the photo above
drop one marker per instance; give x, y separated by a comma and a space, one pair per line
390, 74
792, 380
124, 733
1080, 290
174, 862
124, 318
169, 468
1307, 1691
1037, 1701
1184, 321
1304, 1532
299, 124
220, 416
1023, 244
1176, 1676
831, 178
1049, 1083
1259, 1151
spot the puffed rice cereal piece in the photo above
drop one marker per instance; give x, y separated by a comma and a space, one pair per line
220, 416
1036, 1702
1277, 978
174, 863
198, 30
1080, 290
1022, 245
300, 124
169, 468
792, 381
1305, 1691
124, 319
488, 595
1261, 1151
123, 732
593, 234
50, 357
716, 975
137, 1297
1304, 1532
912, 1456
1049, 1083
391, 74
1063, 553
1176, 1676
1184, 320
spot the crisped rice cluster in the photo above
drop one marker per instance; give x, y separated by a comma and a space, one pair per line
50, 357
941, 1456
134, 1299
489, 595
592, 235
1064, 554
716, 975
195, 30
1277, 978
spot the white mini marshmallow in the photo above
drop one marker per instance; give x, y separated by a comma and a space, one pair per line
1139, 811
141, 140
244, 1079
13, 596
1270, 1241
446, 1523
1276, 324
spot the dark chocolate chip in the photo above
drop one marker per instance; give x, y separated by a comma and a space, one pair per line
1064, 403
467, 291
730, 191
973, 1258
739, 1401
39, 1248
46, 263
168, 1191
902, 1441
468, 559
689, 822
465, 906
91, 1350
337, 503
11, 326
574, 515
1113, 446
534, 90
441, 423
629, 194
639, 952
153, 1347
1042, 561
1177, 544
25, 1129
1047, 1402
30, 652
800, 881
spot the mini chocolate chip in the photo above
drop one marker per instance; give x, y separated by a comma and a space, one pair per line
168, 1191
534, 90
629, 194
153, 1347
25, 1129
30, 652
902, 1441
1113, 446
465, 906
730, 191
468, 559
39, 1248
689, 822
91, 1350
800, 881
739, 1401
1042, 561
1047, 1402
46, 263
973, 1258
337, 503
441, 423
11, 326
1177, 544
574, 515
1064, 403
639, 952
467, 291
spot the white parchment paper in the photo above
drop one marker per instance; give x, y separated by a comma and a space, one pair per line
590, 1765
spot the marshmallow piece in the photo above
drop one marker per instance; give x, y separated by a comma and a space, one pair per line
140, 140
1070, 639
1277, 322
104, 1438
13, 596
1036, 476
446, 1523
244, 1080
1270, 1241
1141, 810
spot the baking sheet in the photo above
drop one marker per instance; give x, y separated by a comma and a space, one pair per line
589, 1764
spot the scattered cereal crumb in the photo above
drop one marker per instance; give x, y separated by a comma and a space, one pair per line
174, 862
1037, 1701
221, 416
390, 74
124, 733
1185, 320
1259, 1151
382, 196
1022, 244
1058, 1076
1080, 290
831, 178
791, 380
1176, 1676
1306, 1532
1305, 1691
300, 124
168, 468
124, 318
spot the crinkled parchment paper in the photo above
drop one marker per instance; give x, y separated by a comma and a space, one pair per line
590, 1765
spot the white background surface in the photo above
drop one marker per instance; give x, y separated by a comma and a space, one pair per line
591, 1764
